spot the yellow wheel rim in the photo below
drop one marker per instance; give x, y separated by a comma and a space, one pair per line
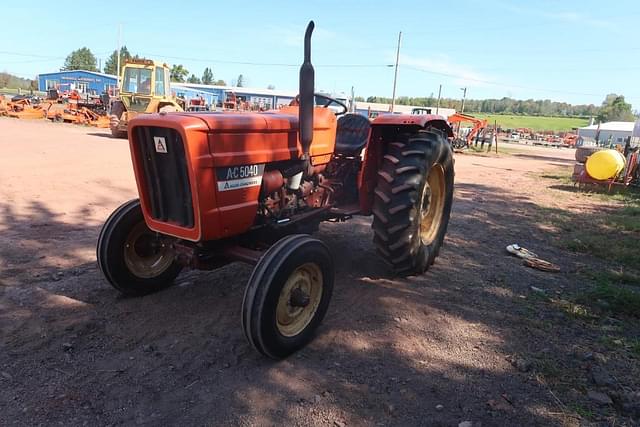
432, 205
145, 255
299, 299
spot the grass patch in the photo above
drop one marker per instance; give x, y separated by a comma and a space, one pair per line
550, 369
575, 311
622, 249
612, 235
628, 219
616, 277
635, 347
614, 298
583, 412
537, 123
621, 344
564, 178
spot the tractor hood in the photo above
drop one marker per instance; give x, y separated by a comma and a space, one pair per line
239, 138
222, 122
282, 120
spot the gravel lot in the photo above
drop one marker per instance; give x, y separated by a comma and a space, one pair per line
467, 341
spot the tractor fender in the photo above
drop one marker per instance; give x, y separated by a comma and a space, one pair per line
384, 130
422, 121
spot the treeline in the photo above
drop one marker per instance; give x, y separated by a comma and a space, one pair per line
529, 107
14, 82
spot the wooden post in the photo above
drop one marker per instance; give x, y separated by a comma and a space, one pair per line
495, 133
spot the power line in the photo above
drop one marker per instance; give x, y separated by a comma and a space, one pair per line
33, 61
267, 64
30, 55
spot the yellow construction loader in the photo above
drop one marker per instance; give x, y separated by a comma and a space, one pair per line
144, 88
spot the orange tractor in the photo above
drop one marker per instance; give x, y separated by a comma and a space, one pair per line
215, 188
479, 125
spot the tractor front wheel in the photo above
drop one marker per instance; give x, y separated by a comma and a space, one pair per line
413, 201
135, 260
287, 295
117, 109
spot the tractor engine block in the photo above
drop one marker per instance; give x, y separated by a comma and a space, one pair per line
282, 198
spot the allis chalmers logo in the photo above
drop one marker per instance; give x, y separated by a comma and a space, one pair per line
160, 144
237, 177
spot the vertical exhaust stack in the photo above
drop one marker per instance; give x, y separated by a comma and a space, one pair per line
305, 113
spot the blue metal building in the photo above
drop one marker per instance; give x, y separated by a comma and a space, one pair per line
263, 98
80, 80
97, 83
182, 90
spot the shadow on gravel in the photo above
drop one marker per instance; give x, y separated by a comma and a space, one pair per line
390, 351
106, 134
40, 241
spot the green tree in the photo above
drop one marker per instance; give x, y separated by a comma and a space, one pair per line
220, 82
614, 108
111, 64
530, 107
4, 79
240, 81
14, 82
207, 76
178, 73
271, 87
193, 79
81, 59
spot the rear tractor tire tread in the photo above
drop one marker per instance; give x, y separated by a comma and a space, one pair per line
397, 201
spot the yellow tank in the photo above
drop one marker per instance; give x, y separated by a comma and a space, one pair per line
605, 164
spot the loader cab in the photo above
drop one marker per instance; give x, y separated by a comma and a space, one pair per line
144, 81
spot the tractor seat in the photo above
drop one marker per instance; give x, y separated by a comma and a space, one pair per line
352, 134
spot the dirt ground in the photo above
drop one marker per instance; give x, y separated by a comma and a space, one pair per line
468, 341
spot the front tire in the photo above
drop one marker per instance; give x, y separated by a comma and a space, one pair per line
117, 109
135, 260
413, 201
287, 295
120, 134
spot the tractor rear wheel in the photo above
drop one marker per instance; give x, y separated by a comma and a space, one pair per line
135, 260
287, 295
413, 201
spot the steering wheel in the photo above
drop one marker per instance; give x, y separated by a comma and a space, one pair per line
328, 101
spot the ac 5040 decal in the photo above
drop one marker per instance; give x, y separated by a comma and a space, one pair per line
236, 177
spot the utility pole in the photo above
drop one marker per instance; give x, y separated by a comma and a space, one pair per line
464, 96
119, 42
352, 106
439, 93
395, 75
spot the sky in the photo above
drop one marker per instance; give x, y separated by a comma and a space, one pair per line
571, 51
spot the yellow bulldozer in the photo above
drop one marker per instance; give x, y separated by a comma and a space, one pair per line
144, 88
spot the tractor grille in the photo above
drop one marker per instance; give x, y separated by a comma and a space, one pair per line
165, 174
